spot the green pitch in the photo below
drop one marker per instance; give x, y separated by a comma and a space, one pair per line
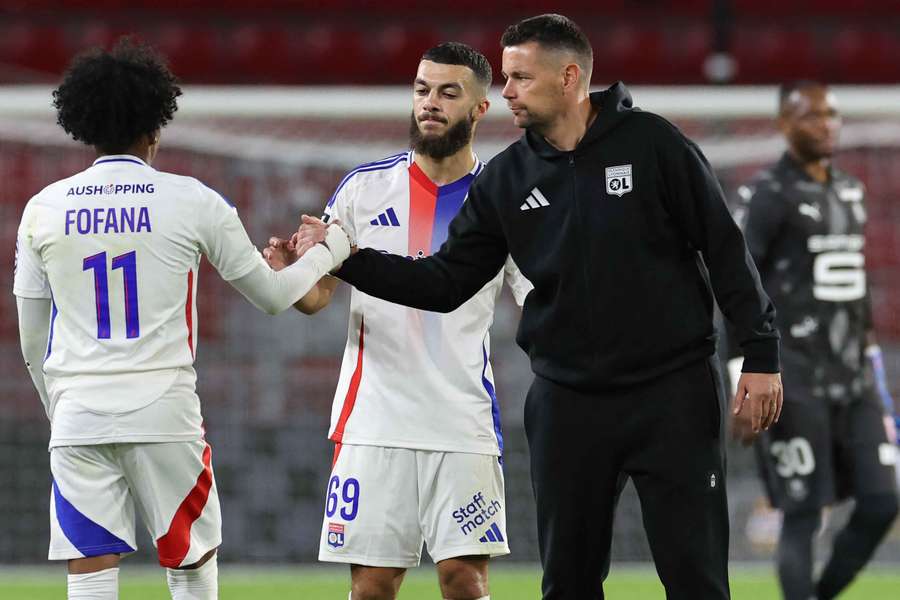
507, 583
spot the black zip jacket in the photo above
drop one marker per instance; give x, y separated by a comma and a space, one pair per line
624, 239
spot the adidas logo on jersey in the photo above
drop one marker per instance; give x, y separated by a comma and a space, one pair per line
491, 535
534, 200
387, 218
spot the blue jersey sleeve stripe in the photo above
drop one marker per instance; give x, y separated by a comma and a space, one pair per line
383, 160
376, 166
372, 166
53, 315
495, 406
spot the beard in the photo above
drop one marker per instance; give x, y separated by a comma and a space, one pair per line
813, 150
440, 146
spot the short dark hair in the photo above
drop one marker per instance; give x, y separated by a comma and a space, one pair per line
555, 32
455, 53
786, 89
110, 99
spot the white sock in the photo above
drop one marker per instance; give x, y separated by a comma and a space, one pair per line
99, 585
482, 598
195, 584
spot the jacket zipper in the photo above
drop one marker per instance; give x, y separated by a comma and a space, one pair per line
581, 240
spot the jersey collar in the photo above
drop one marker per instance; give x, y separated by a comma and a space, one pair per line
790, 163
476, 168
119, 158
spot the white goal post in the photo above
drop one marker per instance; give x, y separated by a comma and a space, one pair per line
26, 116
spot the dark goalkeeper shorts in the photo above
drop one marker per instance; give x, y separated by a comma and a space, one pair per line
819, 453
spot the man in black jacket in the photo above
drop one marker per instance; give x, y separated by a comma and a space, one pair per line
619, 223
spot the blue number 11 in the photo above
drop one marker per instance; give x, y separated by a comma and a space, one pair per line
128, 263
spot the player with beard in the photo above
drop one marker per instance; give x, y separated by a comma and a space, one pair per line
803, 220
415, 420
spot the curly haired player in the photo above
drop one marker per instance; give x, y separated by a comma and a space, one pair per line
106, 286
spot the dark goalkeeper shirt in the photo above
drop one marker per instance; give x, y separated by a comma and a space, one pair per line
807, 240
625, 239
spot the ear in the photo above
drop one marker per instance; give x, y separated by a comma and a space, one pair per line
152, 145
572, 76
480, 109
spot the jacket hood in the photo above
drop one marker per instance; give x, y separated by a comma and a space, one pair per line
614, 104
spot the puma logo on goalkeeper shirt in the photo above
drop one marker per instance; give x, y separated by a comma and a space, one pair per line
810, 210
534, 200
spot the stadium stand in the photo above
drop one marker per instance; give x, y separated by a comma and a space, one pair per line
292, 41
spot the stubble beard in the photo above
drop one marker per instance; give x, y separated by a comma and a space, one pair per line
534, 123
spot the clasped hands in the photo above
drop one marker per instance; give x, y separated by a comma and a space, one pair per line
282, 252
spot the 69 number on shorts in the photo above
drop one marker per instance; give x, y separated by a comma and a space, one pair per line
342, 499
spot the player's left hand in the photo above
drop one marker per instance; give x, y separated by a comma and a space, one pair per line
890, 428
758, 400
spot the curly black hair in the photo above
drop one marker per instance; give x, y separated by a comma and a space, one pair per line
110, 99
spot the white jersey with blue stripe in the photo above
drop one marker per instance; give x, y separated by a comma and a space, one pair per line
117, 249
411, 378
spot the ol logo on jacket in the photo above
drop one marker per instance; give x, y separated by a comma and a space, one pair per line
618, 180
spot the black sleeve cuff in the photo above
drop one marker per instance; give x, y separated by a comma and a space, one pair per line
351, 269
761, 356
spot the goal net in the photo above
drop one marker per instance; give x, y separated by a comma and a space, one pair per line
266, 383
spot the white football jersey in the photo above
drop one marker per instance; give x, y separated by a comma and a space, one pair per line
412, 378
117, 248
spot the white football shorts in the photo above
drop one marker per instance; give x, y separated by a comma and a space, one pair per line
382, 503
96, 489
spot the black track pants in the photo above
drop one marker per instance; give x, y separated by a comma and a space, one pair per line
665, 435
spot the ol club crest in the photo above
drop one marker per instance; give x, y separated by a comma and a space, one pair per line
618, 180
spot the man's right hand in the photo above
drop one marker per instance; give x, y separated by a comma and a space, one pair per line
279, 253
313, 230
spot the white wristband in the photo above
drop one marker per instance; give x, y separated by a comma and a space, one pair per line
338, 243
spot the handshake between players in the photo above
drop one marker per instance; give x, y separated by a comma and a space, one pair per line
283, 252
